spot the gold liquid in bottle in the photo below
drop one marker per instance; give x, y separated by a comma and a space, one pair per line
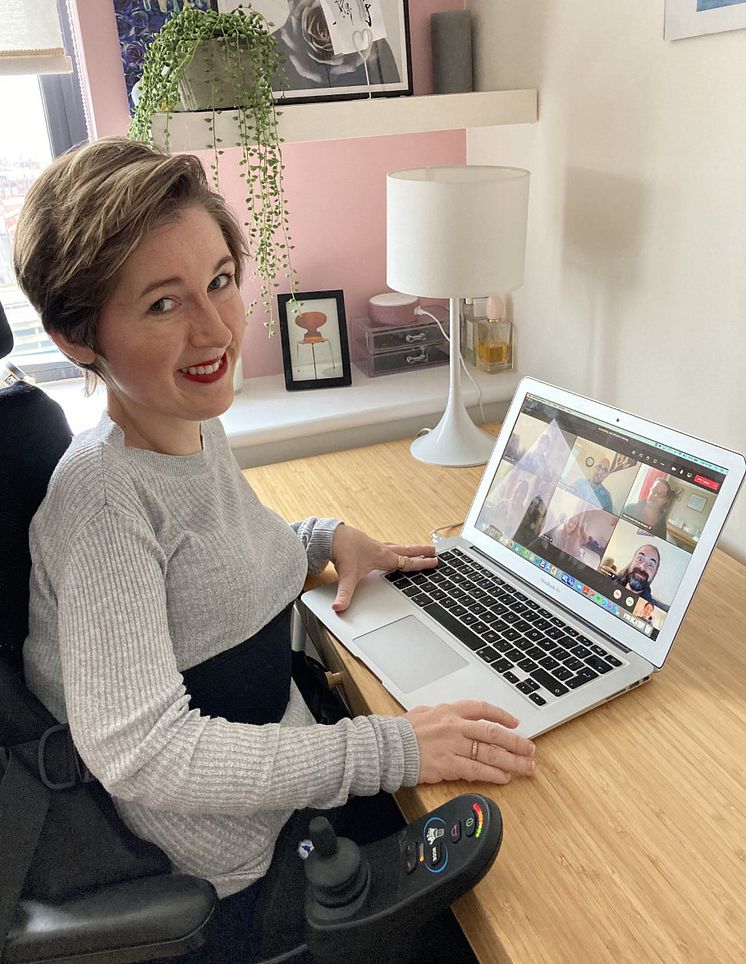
494, 348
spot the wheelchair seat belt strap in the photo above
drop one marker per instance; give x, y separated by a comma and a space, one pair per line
24, 802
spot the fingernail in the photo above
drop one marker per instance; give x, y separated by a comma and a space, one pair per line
531, 767
531, 748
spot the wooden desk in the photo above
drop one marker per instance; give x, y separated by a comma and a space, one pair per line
629, 844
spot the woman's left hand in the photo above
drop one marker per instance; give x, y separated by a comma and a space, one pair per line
355, 555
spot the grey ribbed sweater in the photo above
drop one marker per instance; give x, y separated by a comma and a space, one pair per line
145, 565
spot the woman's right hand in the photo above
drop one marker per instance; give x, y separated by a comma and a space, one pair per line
446, 735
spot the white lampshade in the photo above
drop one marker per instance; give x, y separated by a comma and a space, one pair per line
456, 232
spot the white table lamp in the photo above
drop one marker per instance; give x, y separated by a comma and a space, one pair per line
456, 232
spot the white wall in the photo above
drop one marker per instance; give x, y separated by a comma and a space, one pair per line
635, 287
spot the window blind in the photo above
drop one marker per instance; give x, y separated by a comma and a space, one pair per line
31, 38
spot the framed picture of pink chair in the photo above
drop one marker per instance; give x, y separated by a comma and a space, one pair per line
313, 330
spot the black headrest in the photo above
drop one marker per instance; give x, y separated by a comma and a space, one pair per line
6, 335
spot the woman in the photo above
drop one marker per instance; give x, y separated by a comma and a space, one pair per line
161, 587
571, 536
653, 511
532, 522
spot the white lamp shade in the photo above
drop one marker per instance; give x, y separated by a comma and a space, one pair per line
456, 232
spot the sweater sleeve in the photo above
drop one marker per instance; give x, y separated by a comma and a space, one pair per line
129, 712
316, 536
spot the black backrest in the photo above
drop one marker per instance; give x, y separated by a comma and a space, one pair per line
33, 435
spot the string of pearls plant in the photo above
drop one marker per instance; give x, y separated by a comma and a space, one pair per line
235, 60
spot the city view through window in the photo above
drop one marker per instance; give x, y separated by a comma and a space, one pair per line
24, 153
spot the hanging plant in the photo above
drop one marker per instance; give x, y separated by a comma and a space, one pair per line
201, 59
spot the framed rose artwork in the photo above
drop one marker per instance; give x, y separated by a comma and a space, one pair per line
313, 331
340, 49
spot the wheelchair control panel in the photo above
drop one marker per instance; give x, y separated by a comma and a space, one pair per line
361, 903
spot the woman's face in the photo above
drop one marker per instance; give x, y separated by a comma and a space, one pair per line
170, 334
658, 495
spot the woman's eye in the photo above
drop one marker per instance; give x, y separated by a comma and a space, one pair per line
220, 281
162, 305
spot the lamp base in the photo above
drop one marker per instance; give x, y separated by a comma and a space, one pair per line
455, 441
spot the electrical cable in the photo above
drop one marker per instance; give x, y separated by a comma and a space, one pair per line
419, 310
434, 537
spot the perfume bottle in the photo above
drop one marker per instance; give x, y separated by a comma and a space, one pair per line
494, 338
467, 330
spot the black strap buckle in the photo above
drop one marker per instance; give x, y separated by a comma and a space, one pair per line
60, 765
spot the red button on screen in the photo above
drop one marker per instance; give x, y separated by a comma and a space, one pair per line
709, 483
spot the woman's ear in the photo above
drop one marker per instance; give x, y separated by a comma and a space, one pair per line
81, 354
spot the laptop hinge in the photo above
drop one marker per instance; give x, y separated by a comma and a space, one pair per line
513, 576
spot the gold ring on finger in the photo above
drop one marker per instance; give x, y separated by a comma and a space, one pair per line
474, 749
401, 562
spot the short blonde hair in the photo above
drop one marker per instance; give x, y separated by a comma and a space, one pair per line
88, 212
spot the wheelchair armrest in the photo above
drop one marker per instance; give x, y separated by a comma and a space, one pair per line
137, 920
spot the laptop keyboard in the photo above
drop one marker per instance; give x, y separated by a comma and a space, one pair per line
529, 646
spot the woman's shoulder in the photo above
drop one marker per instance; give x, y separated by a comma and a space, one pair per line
91, 474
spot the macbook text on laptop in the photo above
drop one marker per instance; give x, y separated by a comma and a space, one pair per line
588, 534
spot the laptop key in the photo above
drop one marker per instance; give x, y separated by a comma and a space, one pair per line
536, 698
535, 652
468, 619
613, 660
462, 633
511, 634
498, 642
437, 594
502, 665
422, 599
549, 662
561, 672
549, 682
510, 676
411, 590
573, 663
522, 626
523, 643
580, 651
526, 664
600, 665
555, 632
513, 654
482, 629
449, 603
528, 686
584, 676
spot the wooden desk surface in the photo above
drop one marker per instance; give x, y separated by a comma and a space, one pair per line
629, 844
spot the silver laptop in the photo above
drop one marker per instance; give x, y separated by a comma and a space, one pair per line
581, 552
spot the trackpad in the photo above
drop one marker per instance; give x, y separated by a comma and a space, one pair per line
409, 653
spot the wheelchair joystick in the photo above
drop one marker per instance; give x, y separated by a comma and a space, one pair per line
337, 872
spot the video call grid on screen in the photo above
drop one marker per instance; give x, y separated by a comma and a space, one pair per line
613, 515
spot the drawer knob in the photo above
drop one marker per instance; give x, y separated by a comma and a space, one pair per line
334, 679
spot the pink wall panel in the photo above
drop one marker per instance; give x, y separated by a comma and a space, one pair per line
335, 189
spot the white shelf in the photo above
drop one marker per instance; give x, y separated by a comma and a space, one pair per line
268, 424
375, 117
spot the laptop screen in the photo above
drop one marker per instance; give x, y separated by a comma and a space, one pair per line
612, 515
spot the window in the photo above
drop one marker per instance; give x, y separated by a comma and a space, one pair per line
45, 117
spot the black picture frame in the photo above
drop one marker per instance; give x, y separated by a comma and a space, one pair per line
318, 359
314, 73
